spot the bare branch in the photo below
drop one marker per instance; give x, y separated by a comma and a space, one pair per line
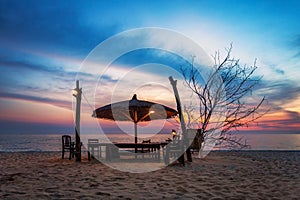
229, 91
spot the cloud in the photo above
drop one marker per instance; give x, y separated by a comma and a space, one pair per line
292, 118
20, 74
59, 28
151, 55
12, 126
278, 93
26, 65
52, 101
296, 45
287, 120
279, 71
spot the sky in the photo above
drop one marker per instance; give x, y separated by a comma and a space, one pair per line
45, 46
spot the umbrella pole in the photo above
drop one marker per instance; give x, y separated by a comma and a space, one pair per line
135, 135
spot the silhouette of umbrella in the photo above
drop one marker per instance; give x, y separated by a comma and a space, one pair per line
134, 110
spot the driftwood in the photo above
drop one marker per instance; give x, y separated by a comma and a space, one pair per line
183, 126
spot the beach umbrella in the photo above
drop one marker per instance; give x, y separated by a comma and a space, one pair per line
134, 110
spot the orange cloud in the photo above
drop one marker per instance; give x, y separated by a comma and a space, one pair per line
30, 111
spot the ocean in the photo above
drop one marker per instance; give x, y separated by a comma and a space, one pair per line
52, 142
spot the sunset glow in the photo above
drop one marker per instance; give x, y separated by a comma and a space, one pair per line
43, 45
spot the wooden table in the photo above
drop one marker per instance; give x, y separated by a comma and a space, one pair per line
112, 148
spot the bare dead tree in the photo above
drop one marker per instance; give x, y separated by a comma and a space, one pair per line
221, 107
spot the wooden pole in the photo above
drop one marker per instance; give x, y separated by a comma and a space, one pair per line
183, 126
135, 127
77, 122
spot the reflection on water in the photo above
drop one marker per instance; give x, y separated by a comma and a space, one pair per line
273, 141
52, 142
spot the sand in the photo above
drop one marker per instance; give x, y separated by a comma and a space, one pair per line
221, 175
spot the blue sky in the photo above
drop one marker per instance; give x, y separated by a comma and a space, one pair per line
43, 44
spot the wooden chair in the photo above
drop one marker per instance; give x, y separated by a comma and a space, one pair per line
67, 146
174, 151
93, 148
145, 150
195, 138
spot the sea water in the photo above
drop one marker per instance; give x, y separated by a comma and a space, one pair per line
52, 142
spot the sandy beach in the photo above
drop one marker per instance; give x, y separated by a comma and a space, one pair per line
221, 175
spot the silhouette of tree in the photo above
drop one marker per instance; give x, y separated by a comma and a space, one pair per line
222, 107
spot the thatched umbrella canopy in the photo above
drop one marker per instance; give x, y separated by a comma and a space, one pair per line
134, 110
